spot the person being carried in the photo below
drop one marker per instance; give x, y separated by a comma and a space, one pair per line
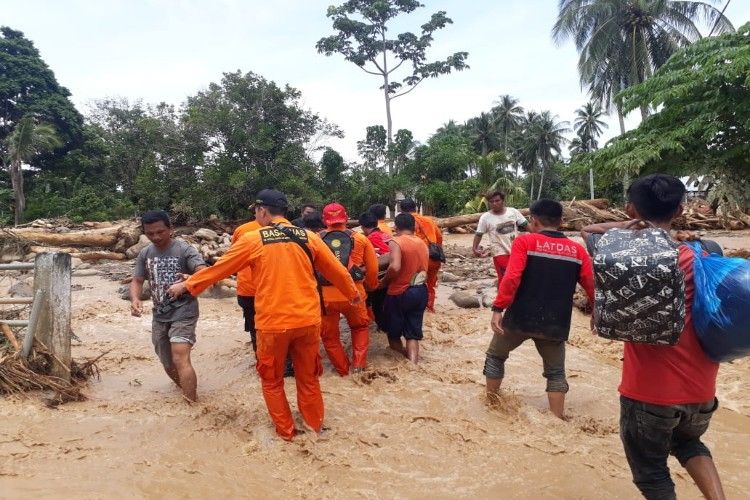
378, 210
667, 393
535, 300
283, 259
429, 233
501, 225
355, 252
406, 297
164, 262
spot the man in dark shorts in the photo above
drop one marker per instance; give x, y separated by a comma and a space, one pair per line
406, 297
667, 392
537, 291
163, 263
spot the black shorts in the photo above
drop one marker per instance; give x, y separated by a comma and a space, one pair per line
405, 312
247, 303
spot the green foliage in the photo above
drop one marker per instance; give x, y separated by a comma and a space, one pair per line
703, 123
29, 88
441, 198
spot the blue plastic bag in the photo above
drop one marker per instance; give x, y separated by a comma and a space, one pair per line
721, 305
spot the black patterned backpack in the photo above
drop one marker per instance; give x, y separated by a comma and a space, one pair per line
640, 288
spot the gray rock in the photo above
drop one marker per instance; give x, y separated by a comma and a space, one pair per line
447, 277
467, 300
124, 292
132, 252
85, 272
75, 262
21, 289
206, 234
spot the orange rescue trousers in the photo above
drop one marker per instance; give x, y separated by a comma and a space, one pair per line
433, 266
359, 321
303, 345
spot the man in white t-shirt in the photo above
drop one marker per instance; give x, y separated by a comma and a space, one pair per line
501, 224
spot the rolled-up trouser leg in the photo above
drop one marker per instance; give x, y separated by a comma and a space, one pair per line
331, 336
305, 349
272, 353
498, 352
433, 267
553, 359
359, 323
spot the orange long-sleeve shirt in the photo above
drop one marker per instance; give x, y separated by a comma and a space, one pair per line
427, 229
245, 284
286, 288
363, 256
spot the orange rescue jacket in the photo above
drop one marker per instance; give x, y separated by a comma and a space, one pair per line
286, 288
245, 285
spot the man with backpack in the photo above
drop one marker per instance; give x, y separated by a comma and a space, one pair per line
356, 253
432, 236
535, 300
284, 260
644, 296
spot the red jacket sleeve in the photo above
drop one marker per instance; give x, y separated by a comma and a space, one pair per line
586, 275
513, 274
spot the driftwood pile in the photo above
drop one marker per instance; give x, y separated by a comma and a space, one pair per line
93, 241
698, 215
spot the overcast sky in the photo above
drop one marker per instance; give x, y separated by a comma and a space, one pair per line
166, 50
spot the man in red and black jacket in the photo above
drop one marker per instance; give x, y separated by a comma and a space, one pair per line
535, 300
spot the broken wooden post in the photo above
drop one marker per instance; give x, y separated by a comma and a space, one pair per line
52, 276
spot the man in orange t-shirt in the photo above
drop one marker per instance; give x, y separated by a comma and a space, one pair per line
283, 260
429, 232
406, 297
356, 252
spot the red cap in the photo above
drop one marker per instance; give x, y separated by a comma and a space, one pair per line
335, 213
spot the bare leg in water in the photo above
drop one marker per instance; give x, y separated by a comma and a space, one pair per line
398, 346
706, 477
172, 372
185, 372
492, 386
412, 351
557, 404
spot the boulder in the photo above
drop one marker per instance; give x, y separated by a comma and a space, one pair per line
124, 292
447, 277
133, 251
21, 289
465, 299
206, 234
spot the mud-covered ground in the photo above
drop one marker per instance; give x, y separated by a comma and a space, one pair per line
395, 430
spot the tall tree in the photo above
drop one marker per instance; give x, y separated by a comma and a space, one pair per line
588, 124
483, 133
507, 115
362, 28
702, 123
547, 135
29, 87
635, 36
27, 140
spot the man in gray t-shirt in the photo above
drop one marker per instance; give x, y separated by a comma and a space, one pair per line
163, 263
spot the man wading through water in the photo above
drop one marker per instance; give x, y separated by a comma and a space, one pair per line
283, 260
501, 225
164, 262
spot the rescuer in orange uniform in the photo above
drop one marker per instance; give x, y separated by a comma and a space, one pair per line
246, 286
355, 252
429, 232
283, 260
378, 210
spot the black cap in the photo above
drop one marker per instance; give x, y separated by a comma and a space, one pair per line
271, 198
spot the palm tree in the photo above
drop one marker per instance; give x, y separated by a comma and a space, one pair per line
508, 115
589, 125
548, 137
483, 133
637, 36
26, 141
622, 42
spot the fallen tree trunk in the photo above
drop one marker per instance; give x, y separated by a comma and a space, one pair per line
99, 255
458, 220
106, 237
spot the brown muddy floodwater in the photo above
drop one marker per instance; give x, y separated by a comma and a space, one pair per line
395, 431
